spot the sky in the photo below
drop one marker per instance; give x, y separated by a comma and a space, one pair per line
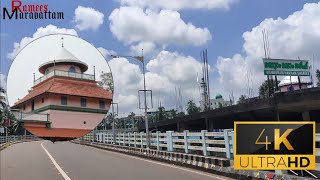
172, 34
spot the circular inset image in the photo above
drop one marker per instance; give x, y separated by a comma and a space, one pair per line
59, 87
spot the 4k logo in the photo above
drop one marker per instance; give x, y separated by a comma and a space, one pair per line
274, 145
277, 139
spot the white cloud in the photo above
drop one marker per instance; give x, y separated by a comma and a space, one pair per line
176, 67
148, 47
179, 4
127, 79
87, 18
106, 53
165, 72
170, 70
133, 24
3, 81
42, 31
293, 37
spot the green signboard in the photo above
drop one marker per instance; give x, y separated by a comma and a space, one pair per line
286, 67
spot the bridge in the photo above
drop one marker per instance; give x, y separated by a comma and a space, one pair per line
100, 155
300, 105
43, 160
201, 147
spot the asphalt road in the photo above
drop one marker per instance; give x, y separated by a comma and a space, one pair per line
44, 160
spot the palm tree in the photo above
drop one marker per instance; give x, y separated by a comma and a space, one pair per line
192, 107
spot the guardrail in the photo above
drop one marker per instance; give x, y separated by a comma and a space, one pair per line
64, 74
202, 143
5, 139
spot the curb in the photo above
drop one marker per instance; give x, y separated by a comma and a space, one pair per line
8, 144
219, 166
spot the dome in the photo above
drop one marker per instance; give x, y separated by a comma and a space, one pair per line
63, 56
218, 96
294, 80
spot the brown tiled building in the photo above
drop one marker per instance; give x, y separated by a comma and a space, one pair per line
65, 103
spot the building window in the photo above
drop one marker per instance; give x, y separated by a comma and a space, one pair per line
72, 69
83, 102
102, 104
42, 100
24, 107
64, 100
32, 105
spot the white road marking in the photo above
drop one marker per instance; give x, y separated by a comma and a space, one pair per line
65, 176
163, 164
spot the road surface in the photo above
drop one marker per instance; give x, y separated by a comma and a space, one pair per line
43, 160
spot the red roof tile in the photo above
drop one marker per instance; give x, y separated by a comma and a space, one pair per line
57, 132
75, 87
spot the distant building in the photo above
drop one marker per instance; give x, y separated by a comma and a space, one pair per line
72, 100
219, 102
205, 103
216, 103
292, 83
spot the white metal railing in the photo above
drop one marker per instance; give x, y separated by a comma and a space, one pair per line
4, 139
64, 74
203, 142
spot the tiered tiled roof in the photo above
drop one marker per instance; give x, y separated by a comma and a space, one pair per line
67, 86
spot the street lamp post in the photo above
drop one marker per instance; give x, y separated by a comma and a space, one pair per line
113, 123
141, 59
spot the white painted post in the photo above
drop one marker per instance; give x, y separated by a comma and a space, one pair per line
204, 144
141, 139
135, 139
119, 138
169, 141
104, 137
124, 139
129, 139
226, 142
158, 143
232, 143
185, 140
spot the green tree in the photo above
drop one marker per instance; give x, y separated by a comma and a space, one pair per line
173, 113
181, 114
132, 120
132, 114
242, 99
106, 81
162, 113
264, 89
318, 76
192, 107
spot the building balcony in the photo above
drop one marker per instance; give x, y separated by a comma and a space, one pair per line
22, 116
64, 74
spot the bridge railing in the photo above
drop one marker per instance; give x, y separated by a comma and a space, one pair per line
202, 143
5, 139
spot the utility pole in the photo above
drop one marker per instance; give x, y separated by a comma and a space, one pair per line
141, 60
113, 123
